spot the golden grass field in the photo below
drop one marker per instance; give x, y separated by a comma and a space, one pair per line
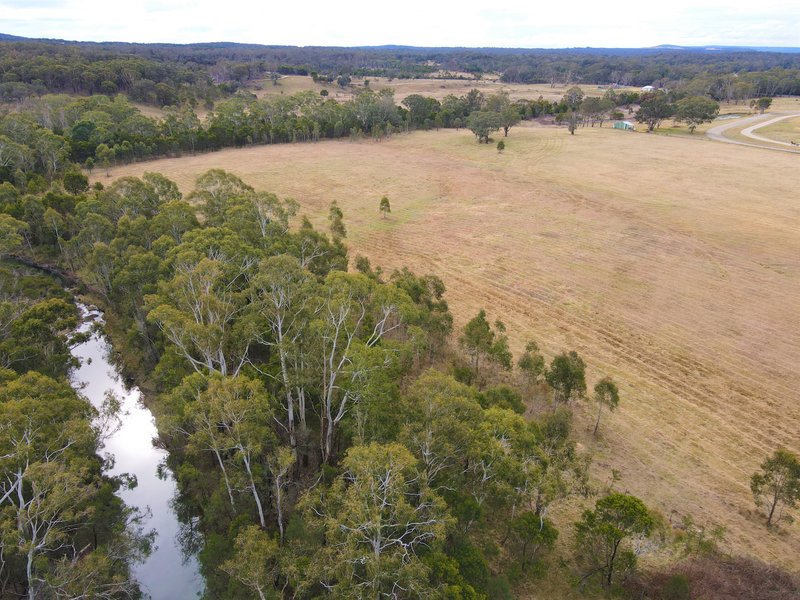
783, 131
672, 264
436, 88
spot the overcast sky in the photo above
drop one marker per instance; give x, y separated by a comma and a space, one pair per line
509, 23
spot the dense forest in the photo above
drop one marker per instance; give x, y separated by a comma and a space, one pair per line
63, 531
331, 431
166, 74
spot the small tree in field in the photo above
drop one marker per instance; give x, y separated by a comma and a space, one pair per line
501, 145
480, 340
606, 394
336, 220
695, 110
483, 123
385, 207
761, 104
777, 483
572, 122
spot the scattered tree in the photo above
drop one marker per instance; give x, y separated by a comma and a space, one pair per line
761, 104
385, 207
654, 109
778, 483
336, 221
483, 123
531, 363
606, 394
695, 110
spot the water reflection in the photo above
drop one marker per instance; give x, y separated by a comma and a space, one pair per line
167, 573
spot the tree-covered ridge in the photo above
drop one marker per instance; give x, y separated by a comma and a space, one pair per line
155, 72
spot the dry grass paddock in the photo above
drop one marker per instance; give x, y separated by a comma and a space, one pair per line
672, 264
783, 131
435, 87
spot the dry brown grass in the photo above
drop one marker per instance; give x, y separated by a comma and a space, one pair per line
435, 87
716, 577
783, 131
671, 264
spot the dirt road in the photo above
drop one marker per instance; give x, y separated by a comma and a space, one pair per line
717, 133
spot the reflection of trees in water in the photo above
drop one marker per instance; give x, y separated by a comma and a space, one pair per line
189, 539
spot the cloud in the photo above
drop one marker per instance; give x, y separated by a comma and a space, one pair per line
514, 23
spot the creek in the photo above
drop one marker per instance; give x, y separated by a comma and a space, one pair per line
167, 573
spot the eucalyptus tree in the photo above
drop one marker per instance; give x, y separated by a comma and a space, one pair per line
377, 520
778, 483
567, 377
606, 395
284, 297
602, 536
232, 418
353, 316
202, 308
50, 484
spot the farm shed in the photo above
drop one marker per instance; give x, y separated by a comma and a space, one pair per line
626, 125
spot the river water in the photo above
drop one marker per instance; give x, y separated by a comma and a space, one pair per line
165, 574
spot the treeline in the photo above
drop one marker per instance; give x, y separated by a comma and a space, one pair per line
48, 135
54, 134
63, 531
168, 74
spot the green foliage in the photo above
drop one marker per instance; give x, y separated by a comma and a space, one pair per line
502, 396
76, 183
567, 377
777, 484
336, 220
531, 364
481, 341
602, 537
483, 123
653, 109
378, 519
761, 104
499, 588
606, 395
696, 110
532, 535
385, 208
11, 231
254, 562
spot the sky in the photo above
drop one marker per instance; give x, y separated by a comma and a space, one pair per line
504, 23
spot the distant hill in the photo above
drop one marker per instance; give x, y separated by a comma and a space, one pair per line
779, 49
415, 49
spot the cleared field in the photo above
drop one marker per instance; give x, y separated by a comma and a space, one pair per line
436, 88
671, 264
